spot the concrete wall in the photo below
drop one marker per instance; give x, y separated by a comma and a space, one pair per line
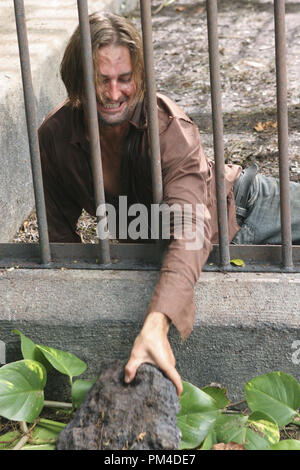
246, 324
49, 26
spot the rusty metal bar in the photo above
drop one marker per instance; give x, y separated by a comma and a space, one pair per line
31, 120
215, 82
92, 116
282, 119
258, 258
146, 19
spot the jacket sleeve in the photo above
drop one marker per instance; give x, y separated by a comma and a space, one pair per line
186, 175
62, 211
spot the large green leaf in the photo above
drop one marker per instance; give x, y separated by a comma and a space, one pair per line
197, 414
276, 394
30, 351
227, 428
256, 432
21, 390
64, 362
254, 441
264, 426
287, 444
27, 346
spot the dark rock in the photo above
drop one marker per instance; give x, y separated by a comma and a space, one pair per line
114, 415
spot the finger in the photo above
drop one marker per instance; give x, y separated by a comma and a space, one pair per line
131, 368
174, 376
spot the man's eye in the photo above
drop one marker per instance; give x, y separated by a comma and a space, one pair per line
125, 80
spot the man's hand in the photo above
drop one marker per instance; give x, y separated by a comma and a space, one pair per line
152, 346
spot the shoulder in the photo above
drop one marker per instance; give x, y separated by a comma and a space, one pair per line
168, 111
57, 122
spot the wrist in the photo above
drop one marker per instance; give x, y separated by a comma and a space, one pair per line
157, 321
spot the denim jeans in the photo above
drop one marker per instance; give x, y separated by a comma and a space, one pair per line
262, 223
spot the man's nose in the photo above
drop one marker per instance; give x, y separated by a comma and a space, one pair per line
114, 93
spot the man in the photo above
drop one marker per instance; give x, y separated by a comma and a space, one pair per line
188, 177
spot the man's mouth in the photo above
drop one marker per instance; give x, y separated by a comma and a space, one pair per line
112, 107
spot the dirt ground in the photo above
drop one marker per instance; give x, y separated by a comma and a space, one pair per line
247, 61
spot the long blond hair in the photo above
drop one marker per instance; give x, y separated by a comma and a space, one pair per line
106, 29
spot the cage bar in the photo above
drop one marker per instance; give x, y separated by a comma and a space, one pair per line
282, 120
92, 117
215, 82
31, 121
146, 19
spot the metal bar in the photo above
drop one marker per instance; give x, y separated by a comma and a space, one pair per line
157, 185
282, 119
212, 27
92, 116
31, 120
138, 256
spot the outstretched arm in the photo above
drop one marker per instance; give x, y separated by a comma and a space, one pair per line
152, 346
186, 177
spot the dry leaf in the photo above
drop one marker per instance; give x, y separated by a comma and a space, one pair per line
230, 446
265, 126
179, 8
258, 127
237, 262
141, 436
200, 10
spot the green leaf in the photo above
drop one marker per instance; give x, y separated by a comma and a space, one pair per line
253, 434
218, 394
276, 394
254, 441
79, 389
21, 390
265, 426
227, 428
287, 444
47, 434
30, 351
9, 440
197, 414
27, 346
64, 362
